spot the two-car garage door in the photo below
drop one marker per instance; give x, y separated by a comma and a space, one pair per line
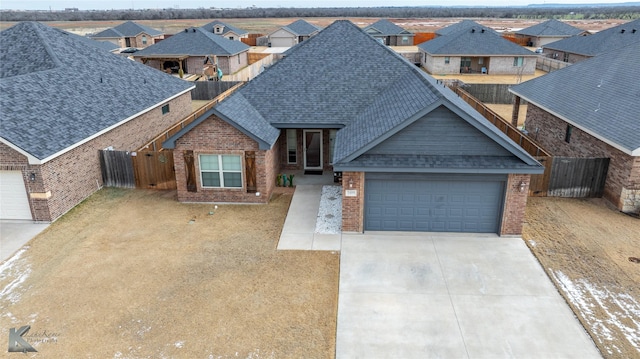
434, 203
14, 203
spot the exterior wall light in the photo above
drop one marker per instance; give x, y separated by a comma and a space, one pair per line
32, 176
522, 186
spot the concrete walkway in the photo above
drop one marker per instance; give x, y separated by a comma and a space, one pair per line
15, 234
298, 232
431, 295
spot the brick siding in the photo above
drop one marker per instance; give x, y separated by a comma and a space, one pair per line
76, 174
515, 202
215, 136
353, 207
622, 187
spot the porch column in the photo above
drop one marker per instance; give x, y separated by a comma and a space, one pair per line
516, 110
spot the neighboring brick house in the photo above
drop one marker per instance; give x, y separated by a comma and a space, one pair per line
389, 33
225, 30
462, 26
475, 49
61, 101
579, 48
591, 109
192, 50
130, 34
414, 156
548, 31
292, 34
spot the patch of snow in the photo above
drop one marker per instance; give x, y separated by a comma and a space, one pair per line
179, 344
532, 243
622, 311
329, 220
19, 271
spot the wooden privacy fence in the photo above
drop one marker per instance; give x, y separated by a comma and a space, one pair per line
144, 169
547, 64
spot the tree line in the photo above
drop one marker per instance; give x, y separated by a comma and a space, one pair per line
530, 12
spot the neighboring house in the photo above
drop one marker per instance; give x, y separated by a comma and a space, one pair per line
389, 33
292, 34
61, 101
578, 48
461, 26
476, 49
548, 31
591, 109
130, 34
192, 50
413, 155
225, 30
105, 45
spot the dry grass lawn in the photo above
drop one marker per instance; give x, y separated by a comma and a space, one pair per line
586, 248
135, 274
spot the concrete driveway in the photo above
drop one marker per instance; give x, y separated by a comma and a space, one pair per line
15, 234
405, 295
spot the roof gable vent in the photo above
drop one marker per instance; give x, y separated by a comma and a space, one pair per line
622, 31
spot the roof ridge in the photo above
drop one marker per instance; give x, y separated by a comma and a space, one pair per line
45, 43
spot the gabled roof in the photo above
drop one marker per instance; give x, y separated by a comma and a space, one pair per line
384, 27
127, 29
57, 92
344, 78
598, 95
302, 28
194, 41
551, 28
226, 28
463, 25
600, 42
474, 40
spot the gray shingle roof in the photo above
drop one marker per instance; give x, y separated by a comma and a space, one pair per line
343, 78
600, 42
302, 28
473, 41
385, 27
551, 27
463, 25
128, 29
598, 95
57, 91
195, 42
227, 28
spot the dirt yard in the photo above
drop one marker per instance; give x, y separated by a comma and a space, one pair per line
589, 249
135, 274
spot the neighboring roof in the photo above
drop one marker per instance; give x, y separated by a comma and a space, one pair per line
127, 29
194, 41
463, 25
597, 95
227, 28
474, 40
551, 28
105, 45
302, 28
384, 27
56, 92
600, 42
344, 78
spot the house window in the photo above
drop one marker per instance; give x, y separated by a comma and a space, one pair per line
222, 171
405, 40
165, 109
565, 58
518, 61
332, 143
567, 135
292, 146
447, 59
217, 30
231, 38
144, 40
480, 60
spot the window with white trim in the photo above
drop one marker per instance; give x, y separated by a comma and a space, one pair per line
144, 39
405, 40
221, 171
292, 146
447, 60
518, 61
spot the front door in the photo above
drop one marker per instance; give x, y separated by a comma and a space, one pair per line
312, 149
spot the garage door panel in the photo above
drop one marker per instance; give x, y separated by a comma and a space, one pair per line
466, 204
14, 203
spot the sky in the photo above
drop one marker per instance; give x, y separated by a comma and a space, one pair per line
194, 4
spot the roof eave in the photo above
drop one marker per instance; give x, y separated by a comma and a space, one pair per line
31, 158
344, 167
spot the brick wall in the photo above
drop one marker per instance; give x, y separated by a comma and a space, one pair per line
515, 203
353, 207
215, 136
503, 65
623, 177
66, 180
435, 64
